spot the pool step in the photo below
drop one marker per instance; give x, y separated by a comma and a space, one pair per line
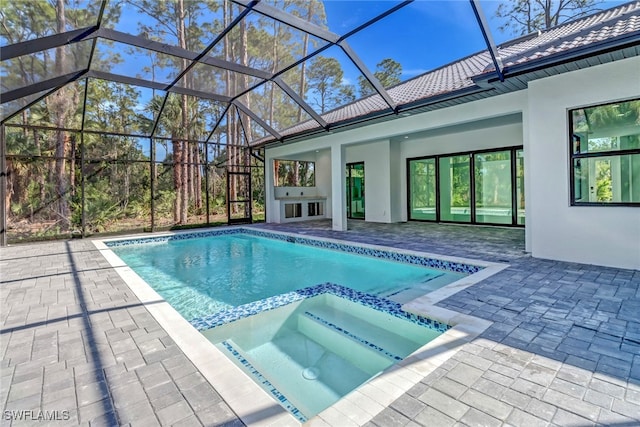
377, 336
279, 365
354, 351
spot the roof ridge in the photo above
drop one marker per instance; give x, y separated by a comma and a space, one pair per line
538, 33
586, 30
510, 43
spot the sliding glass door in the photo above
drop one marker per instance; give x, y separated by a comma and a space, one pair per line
519, 187
455, 188
355, 190
493, 201
481, 187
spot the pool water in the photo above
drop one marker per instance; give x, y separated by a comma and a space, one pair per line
202, 276
309, 354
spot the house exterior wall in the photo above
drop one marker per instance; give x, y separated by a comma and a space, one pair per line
607, 235
377, 178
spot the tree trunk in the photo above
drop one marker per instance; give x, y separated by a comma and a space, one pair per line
71, 143
184, 146
39, 176
9, 187
190, 174
177, 178
303, 68
60, 108
547, 15
231, 121
198, 177
248, 135
274, 68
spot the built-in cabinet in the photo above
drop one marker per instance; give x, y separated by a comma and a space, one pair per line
302, 209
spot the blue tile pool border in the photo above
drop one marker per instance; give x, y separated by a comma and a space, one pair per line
262, 380
368, 300
343, 247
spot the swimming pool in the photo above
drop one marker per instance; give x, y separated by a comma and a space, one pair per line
254, 404
210, 274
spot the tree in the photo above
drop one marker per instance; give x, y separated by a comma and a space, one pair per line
48, 186
114, 167
325, 80
387, 72
173, 21
526, 16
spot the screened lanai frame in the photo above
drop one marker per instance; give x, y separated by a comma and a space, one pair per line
254, 126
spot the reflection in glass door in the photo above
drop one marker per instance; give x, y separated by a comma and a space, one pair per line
355, 190
422, 185
520, 187
455, 188
493, 186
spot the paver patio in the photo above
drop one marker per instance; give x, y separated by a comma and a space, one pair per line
564, 348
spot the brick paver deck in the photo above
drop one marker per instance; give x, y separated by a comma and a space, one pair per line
564, 349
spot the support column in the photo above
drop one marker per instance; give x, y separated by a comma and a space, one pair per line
271, 205
338, 191
528, 212
3, 188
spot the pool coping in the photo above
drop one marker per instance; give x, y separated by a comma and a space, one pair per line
253, 405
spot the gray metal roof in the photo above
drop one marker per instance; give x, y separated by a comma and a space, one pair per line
474, 77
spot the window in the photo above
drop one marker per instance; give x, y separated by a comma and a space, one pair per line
605, 154
294, 173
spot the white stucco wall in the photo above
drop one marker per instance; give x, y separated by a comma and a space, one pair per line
607, 236
596, 235
377, 178
323, 178
385, 161
396, 168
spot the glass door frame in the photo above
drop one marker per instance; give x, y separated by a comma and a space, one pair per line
514, 202
349, 167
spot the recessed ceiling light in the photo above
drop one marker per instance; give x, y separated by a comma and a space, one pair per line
405, 114
406, 137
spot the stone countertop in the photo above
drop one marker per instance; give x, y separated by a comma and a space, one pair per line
294, 198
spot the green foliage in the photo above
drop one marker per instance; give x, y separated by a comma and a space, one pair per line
294, 173
493, 179
604, 190
113, 170
423, 183
387, 72
326, 84
460, 182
